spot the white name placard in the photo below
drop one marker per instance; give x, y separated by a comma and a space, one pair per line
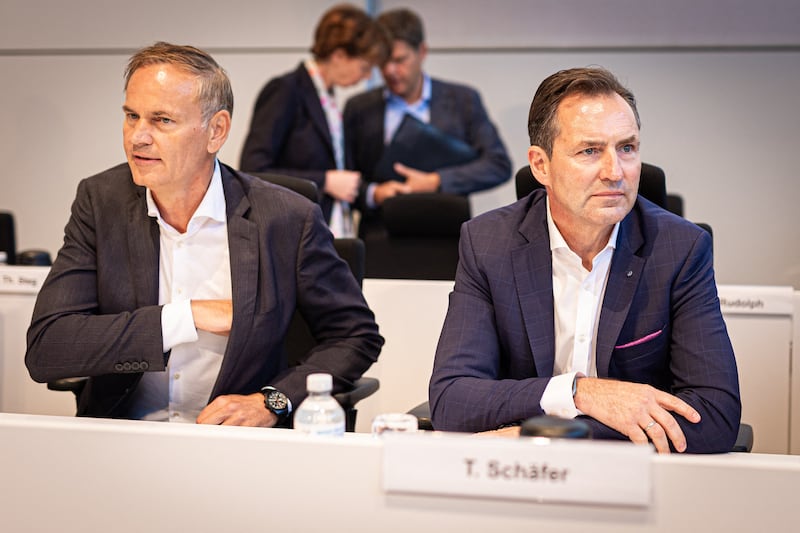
751, 300
22, 279
536, 469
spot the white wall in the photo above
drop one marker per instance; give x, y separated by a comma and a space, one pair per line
717, 82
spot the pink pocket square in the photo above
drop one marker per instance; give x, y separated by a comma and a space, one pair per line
644, 339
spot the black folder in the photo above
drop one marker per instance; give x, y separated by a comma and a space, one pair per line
423, 147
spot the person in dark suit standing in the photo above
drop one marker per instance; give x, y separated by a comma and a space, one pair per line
296, 127
585, 299
371, 119
178, 276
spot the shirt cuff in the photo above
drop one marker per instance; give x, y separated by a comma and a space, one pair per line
177, 324
371, 195
557, 399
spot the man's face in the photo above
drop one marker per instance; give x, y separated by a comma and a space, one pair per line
167, 144
403, 72
592, 178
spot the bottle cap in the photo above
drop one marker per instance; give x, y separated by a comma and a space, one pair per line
319, 382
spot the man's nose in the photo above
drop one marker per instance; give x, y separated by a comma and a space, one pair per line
140, 132
612, 167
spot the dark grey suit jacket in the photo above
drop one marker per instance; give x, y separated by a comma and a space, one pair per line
97, 313
289, 133
660, 323
456, 110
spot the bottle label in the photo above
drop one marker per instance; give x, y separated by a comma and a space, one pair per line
324, 430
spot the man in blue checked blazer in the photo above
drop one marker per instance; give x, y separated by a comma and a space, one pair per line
586, 300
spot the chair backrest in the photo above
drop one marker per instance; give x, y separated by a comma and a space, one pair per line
652, 183
421, 238
354, 253
299, 340
425, 215
675, 204
7, 237
299, 185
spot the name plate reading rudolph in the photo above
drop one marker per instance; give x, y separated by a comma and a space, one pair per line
756, 300
542, 470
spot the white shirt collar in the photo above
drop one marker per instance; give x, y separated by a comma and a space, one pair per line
425, 97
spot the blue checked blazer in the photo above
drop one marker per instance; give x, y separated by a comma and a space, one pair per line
660, 323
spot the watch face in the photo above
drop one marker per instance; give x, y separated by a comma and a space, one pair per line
277, 400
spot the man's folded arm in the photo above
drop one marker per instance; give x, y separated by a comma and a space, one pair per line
68, 336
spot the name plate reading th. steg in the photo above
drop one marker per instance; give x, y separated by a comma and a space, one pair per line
534, 469
22, 279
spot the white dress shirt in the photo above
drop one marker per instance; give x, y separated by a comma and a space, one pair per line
577, 300
192, 265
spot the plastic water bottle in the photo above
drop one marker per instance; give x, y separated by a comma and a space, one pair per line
319, 413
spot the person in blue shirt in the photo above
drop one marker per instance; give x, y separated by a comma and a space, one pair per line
371, 118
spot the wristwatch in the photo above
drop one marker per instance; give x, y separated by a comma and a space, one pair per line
277, 402
575, 384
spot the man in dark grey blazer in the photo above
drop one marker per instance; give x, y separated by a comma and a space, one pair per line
371, 118
178, 276
585, 299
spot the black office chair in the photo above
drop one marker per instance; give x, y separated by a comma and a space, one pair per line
298, 342
744, 439
8, 242
652, 183
8, 245
675, 204
299, 185
421, 237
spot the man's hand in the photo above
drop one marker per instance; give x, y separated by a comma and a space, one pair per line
342, 184
639, 411
214, 316
418, 180
387, 189
238, 410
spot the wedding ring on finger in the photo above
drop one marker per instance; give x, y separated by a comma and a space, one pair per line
648, 426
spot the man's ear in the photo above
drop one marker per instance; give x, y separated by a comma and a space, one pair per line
422, 51
219, 126
540, 164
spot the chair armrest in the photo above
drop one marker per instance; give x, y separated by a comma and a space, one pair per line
362, 388
68, 384
423, 414
744, 440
